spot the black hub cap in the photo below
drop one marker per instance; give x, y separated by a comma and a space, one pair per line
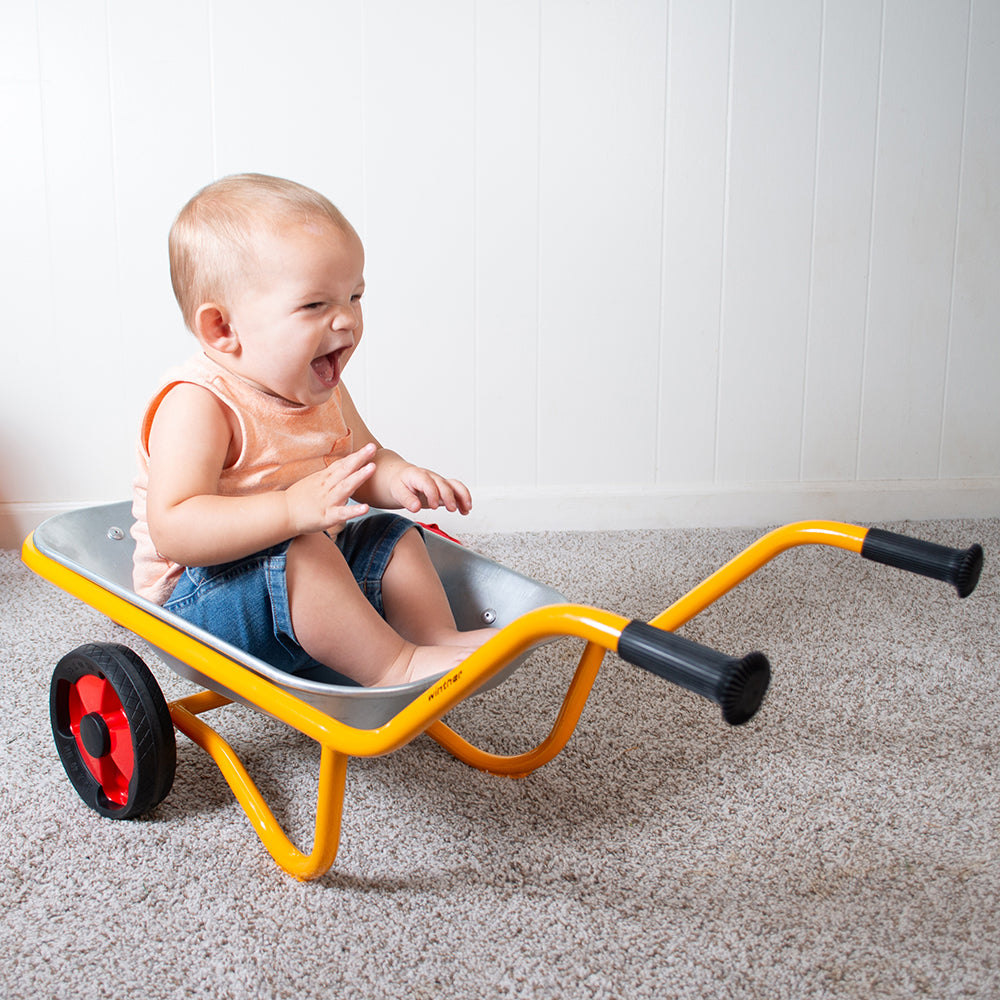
94, 735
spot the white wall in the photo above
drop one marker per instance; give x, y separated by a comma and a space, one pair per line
629, 263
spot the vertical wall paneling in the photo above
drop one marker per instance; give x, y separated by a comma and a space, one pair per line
420, 314
601, 182
24, 254
24, 248
971, 434
916, 193
693, 226
162, 127
506, 250
78, 318
289, 94
841, 238
772, 161
629, 262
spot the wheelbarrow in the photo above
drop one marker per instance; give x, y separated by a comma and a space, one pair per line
114, 731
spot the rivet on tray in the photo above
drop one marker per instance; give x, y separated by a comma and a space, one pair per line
116, 534
489, 616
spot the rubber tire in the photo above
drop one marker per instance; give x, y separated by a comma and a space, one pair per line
146, 716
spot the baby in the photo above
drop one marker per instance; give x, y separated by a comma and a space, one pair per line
250, 453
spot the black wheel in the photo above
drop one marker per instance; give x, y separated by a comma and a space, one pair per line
112, 729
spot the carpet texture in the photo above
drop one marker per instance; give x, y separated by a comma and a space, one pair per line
842, 844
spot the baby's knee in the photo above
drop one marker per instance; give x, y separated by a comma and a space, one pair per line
311, 554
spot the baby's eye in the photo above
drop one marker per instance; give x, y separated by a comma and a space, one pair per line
313, 305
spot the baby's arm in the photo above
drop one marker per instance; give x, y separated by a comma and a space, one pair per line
398, 483
192, 524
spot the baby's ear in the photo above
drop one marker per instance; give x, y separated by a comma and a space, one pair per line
211, 327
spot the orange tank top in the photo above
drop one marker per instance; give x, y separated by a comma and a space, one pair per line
282, 443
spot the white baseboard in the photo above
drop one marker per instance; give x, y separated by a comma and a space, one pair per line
757, 505
18, 520
729, 506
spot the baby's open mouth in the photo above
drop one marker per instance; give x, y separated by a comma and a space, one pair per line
327, 368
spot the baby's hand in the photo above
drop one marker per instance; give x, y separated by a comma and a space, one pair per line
415, 488
320, 501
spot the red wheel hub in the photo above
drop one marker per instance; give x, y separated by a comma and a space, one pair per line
97, 720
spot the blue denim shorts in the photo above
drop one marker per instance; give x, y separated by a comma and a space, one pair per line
245, 603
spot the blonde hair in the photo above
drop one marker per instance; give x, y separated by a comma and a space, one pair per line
212, 241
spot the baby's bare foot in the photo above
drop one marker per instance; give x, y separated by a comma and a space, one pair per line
415, 662
469, 640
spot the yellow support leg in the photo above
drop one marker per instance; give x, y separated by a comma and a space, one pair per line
519, 765
329, 807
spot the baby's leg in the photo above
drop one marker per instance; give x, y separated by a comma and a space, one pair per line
415, 603
335, 624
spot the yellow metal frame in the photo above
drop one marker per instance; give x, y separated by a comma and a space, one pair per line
599, 629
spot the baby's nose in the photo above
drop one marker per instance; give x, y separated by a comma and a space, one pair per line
345, 319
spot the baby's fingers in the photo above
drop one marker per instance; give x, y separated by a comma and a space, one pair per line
433, 491
409, 490
348, 484
351, 471
452, 494
461, 496
355, 462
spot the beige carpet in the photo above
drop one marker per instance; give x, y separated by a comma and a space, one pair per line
843, 844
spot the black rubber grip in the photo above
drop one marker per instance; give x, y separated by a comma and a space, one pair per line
959, 567
737, 685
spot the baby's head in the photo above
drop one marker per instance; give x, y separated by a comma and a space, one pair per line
214, 239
